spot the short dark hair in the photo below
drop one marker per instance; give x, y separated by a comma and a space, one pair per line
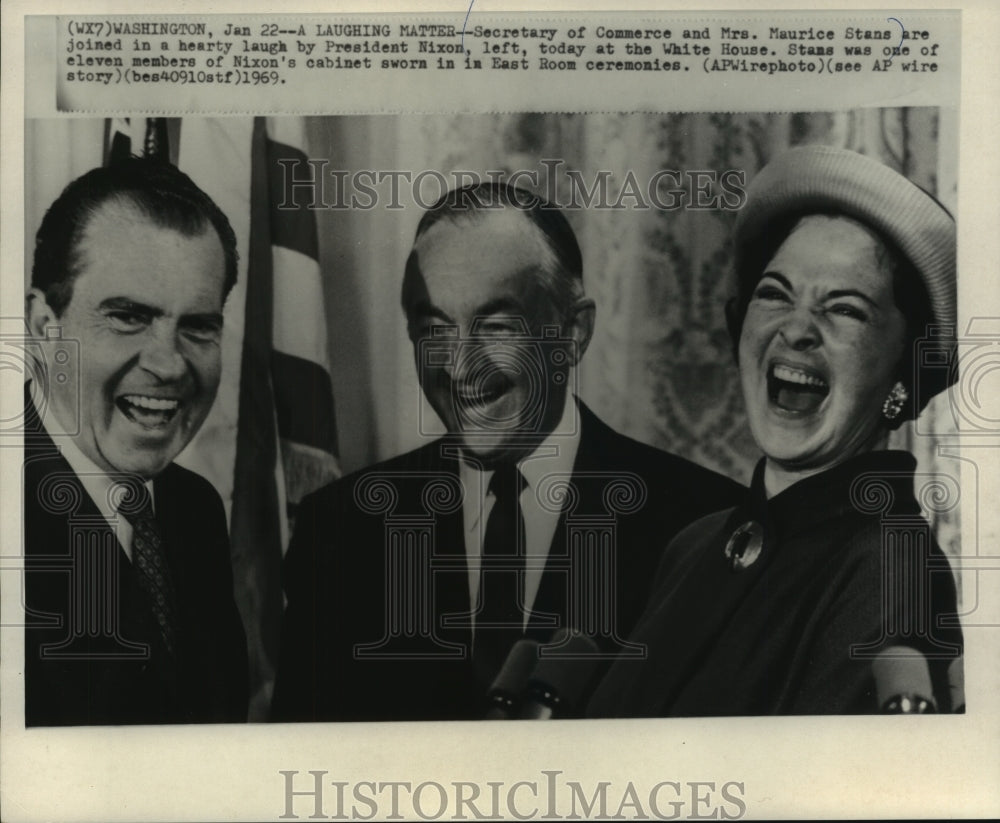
156, 189
908, 291
563, 281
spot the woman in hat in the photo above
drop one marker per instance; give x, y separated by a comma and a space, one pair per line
824, 592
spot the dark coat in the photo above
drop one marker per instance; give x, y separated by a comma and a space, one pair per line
340, 595
111, 672
848, 569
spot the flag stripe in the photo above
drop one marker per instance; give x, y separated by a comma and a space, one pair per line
299, 314
119, 149
174, 138
306, 469
294, 226
303, 396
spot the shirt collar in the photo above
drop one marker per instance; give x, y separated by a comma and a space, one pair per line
94, 479
556, 454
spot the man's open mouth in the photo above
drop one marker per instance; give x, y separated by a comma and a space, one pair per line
150, 412
481, 395
796, 389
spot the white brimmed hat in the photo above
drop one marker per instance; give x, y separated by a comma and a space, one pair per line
823, 178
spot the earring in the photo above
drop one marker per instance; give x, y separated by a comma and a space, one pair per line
894, 403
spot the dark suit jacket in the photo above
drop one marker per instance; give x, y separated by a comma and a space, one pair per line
358, 644
92, 649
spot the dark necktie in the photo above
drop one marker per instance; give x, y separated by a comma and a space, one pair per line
150, 563
500, 618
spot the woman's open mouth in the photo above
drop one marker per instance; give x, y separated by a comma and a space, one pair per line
796, 389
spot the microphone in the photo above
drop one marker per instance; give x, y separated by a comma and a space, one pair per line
956, 685
903, 682
560, 679
505, 692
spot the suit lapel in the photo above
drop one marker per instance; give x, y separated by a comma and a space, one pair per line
449, 585
49, 532
48, 474
553, 591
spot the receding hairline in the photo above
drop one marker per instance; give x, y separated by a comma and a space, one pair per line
547, 271
121, 208
129, 207
124, 208
459, 219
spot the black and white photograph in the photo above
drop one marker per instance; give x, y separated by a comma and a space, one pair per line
645, 385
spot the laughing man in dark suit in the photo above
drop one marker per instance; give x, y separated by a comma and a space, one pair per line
130, 616
408, 583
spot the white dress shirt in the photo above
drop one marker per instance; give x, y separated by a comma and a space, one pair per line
555, 455
94, 480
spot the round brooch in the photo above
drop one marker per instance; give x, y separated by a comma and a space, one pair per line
744, 546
